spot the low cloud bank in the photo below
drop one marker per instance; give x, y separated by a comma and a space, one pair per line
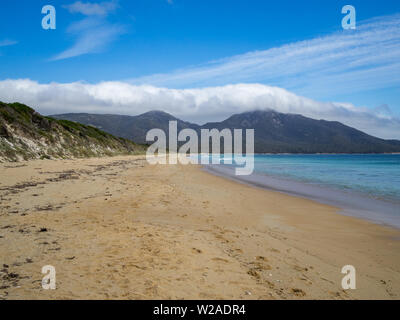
197, 105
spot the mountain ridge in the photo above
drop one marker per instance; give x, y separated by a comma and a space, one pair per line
275, 132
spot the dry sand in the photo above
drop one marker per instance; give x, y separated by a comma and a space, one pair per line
118, 228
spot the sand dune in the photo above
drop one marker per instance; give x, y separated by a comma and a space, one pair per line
118, 228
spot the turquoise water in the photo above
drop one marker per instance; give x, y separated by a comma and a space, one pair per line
377, 175
362, 186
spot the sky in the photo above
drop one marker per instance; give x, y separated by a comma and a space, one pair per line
205, 60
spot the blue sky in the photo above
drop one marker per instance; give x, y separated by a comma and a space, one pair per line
188, 45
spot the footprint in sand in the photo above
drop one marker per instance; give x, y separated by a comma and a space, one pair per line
205, 204
217, 259
298, 292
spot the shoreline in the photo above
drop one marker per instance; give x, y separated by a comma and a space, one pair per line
119, 228
350, 203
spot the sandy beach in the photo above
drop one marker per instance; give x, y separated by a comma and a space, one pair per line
119, 228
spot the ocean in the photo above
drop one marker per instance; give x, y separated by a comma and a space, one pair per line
376, 175
362, 185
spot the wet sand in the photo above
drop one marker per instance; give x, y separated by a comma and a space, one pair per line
118, 228
351, 203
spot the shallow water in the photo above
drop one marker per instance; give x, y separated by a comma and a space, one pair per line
365, 186
377, 176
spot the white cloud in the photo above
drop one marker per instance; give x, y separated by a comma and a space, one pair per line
93, 36
92, 9
199, 105
93, 33
6, 42
344, 62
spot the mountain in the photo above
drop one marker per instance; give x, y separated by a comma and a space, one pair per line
129, 127
274, 132
25, 134
293, 133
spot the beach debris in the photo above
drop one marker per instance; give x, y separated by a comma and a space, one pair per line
298, 292
197, 250
261, 258
43, 230
253, 273
48, 207
247, 293
12, 275
260, 266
